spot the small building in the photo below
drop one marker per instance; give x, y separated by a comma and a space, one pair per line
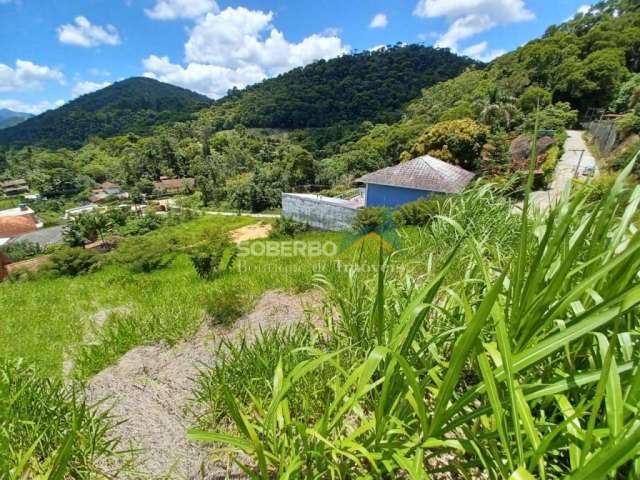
173, 186
11, 227
81, 210
106, 191
14, 187
409, 181
17, 221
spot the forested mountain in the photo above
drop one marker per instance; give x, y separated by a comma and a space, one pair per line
372, 85
135, 105
9, 118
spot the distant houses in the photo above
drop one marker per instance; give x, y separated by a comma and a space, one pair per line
11, 188
17, 221
82, 209
173, 186
108, 191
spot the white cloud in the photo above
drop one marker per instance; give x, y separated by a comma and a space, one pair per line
82, 88
84, 34
481, 51
379, 21
26, 76
172, 9
237, 37
238, 47
468, 18
211, 80
584, 9
34, 108
99, 72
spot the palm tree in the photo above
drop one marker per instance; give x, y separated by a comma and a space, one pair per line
497, 109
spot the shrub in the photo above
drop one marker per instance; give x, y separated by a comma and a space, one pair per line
370, 218
225, 305
550, 163
22, 250
73, 261
285, 227
628, 124
145, 255
214, 255
141, 225
418, 212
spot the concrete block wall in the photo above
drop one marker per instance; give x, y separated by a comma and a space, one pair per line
324, 213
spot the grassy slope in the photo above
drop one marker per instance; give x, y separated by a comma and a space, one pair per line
49, 316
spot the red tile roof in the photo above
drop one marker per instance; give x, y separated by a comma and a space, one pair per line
12, 226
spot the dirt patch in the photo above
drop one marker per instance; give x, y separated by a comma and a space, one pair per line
251, 232
150, 388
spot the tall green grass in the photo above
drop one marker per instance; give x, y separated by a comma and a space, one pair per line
47, 430
524, 364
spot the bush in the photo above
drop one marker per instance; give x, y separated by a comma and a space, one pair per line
550, 163
370, 218
22, 250
145, 254
73, 261
419, 212
214, 255
285, 227
628, 124
141, 225
225, 306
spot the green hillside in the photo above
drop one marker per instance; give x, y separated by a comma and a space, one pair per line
372, 85
135, 105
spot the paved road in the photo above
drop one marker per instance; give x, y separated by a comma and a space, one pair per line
253, 215
576, 162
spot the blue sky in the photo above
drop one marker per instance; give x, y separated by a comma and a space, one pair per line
52, 51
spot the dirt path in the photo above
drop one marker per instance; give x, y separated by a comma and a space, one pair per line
151, 388
574, 163
251, 232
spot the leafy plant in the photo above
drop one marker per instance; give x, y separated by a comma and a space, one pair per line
73, 261
214, 255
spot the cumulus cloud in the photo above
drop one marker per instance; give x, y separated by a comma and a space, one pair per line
481, 51
584, 9
172, 9
82, 88
380, 20
468, 18
83, 33
26, 76
33, 108
211, 80
237, 47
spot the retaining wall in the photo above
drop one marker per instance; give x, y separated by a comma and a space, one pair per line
320, 212
605, 134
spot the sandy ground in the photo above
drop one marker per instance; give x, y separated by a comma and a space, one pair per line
575, 162
151, 387
251, 232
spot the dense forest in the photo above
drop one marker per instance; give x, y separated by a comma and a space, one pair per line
318, 127
135, 105
372, 85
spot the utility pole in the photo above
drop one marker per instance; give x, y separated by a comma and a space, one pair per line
575, 174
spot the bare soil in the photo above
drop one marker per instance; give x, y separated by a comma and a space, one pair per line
251, 232
150, 388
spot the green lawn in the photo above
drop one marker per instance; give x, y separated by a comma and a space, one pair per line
45, 318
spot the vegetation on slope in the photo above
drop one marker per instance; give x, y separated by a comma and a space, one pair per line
135, 105
372, 85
